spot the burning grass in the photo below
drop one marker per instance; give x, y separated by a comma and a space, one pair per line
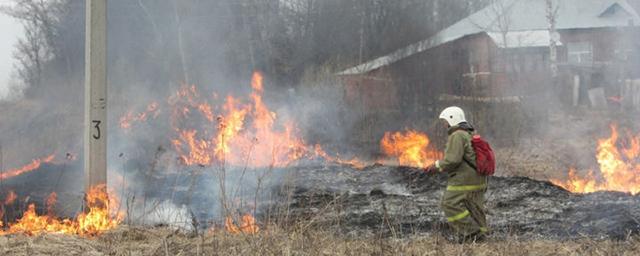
248, 133
322, 232
276, 241
34, 165
98, 218
244, 132
234, 131
619, 167
247, 225
410, 148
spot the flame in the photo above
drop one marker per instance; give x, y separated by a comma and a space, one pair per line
35, 164
256, 82
127, 120
578, 184
619, 168
101, 215
33, 224
230, 226
229, 127
96, 220
197, 150
409, 148
247, 132
247, 225
238, 131
205, 109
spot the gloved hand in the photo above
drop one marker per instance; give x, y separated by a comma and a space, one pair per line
431, 169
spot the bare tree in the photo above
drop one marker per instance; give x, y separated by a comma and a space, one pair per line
39, 19
180, 37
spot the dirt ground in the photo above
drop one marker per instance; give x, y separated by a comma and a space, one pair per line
165, 241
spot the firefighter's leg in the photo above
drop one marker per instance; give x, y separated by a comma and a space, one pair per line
454, 204
475, 204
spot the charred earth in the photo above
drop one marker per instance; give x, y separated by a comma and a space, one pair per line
400, 201
378, 200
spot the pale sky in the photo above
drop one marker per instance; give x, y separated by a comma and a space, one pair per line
10, 30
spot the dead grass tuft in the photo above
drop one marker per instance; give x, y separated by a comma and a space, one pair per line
276, 241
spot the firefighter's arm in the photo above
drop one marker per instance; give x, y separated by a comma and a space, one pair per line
453, 153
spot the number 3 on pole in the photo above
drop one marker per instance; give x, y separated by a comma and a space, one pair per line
97, 126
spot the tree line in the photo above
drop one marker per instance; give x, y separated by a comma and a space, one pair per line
195, 41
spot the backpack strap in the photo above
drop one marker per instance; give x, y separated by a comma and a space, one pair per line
469, 163
470, 131
467, 160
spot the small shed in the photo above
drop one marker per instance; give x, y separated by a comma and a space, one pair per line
500, 59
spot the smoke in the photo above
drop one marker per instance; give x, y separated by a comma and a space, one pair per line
154, 48
157, 47
167, 213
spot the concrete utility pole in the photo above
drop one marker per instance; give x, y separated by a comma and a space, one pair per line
95, 97
554, 37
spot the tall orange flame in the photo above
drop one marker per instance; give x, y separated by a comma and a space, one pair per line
619, 168
246, 133
409, 148
102, 214
238, 132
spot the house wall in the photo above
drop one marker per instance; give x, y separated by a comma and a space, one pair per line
485, 80
410, 93
519, 71
604, 41
373, 91
614, 60
372, 99
525, 71
445, 70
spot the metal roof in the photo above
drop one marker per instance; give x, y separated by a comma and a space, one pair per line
516, 17
518, 39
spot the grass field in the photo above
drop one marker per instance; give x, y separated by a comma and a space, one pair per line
274, 241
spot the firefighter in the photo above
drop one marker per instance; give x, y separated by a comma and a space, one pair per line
463, 199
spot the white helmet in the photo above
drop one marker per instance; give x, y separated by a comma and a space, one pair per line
453, 115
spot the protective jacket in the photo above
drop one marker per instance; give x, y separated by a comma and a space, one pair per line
458, 157
463, 199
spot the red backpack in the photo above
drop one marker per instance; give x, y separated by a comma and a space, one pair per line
485, 159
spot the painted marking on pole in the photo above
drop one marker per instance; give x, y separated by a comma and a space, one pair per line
95, 137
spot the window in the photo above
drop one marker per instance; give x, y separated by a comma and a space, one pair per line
580, 53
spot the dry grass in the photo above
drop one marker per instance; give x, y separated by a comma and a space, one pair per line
273, 241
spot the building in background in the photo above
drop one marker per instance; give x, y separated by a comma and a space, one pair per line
497, 63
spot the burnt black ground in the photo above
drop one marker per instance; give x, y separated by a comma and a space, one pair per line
378, 200
399, 201
66, 180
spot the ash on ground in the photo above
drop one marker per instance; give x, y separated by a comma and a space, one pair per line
398, 201
379, 200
